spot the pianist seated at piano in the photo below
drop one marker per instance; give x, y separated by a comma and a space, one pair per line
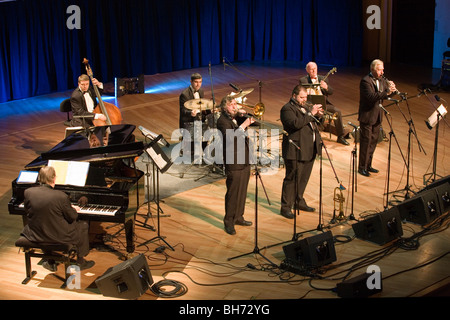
53, 219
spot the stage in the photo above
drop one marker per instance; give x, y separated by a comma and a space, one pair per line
213, 265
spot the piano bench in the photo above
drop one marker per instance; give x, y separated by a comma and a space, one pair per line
55, 251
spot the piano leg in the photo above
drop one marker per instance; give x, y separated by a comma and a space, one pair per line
129, 235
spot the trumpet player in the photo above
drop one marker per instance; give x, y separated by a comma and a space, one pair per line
373, 89
299, 149
325, 89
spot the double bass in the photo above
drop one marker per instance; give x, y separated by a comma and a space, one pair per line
111, 112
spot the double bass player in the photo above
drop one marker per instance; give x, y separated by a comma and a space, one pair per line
83, 102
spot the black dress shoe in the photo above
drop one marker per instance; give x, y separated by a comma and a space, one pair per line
305, 207
230, 230
342, 140
244, 223
287, 214
370, 169
364, 172
86, 264
53, 267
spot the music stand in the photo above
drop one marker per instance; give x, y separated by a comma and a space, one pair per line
433, 121
161, 163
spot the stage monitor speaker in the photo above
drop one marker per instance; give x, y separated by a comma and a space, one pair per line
314, 251
127, 280
420, 209
380, 228
443, 195
436, 183
356, 287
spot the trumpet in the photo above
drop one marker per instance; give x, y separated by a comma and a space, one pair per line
391, 83
258, 109
338, 200
326, 114
330, 116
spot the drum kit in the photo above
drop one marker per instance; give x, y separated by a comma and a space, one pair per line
204, 105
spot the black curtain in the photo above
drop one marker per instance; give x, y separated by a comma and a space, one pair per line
39, 54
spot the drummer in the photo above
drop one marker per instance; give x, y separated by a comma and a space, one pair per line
194, 91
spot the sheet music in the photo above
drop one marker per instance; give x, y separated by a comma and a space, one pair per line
433, 119
70, 172
157, 158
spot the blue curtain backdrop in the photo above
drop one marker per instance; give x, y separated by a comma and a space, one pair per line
39, 54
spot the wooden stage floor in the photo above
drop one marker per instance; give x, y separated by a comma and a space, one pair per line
192, 215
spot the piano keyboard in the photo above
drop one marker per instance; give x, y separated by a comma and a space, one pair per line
104, 210
98, 209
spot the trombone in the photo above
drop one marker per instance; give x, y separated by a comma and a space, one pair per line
258, 109
258, 112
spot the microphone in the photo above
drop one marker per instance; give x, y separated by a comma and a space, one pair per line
294, 144
356, 128
235, 87
152, 135
439, 98
387, 112
223, 61
395, 100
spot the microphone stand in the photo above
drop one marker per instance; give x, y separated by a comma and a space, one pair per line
260, 83
296, 234
354, 176
323, 147
411, 130
391, 134
213, 167
256, 250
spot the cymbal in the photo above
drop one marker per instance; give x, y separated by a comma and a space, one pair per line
242, 93
201, 104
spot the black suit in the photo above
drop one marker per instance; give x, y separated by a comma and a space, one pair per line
79, 107
370, 116
52, 219
237, 167
329, 106
299, 125
185, 113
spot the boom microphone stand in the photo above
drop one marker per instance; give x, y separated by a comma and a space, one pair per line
391, 134
411, 131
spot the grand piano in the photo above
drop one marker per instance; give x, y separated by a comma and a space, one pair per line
111, 192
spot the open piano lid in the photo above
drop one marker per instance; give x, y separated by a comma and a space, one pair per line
77, 146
